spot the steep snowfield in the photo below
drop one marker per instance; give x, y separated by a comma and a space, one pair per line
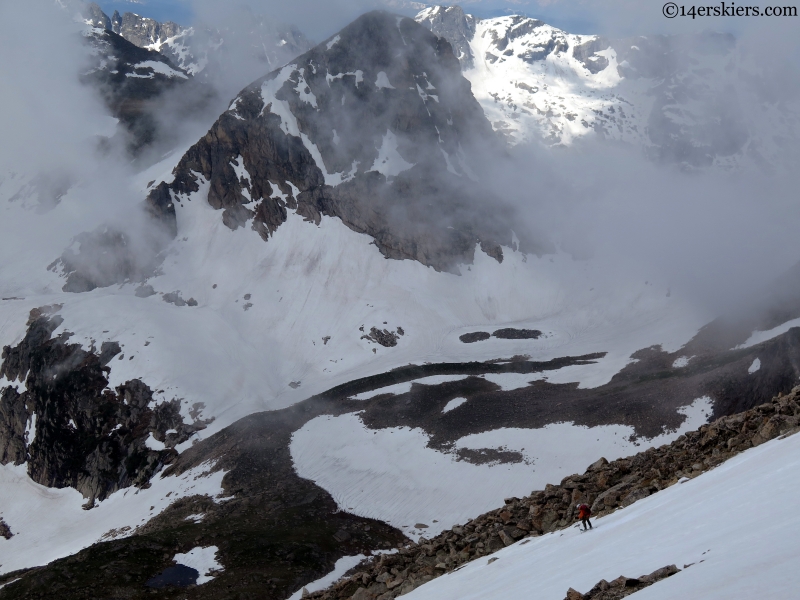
736, 526
391, 474
49, 523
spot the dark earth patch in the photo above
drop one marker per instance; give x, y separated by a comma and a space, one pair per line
475, 336
485, 456
509, 333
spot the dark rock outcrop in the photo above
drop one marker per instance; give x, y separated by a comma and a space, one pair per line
70, 429
586, 53
509, 333
622, 586
5, 530
475, 336
142, 31
384, 337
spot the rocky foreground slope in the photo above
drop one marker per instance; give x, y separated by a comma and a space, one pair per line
605, 486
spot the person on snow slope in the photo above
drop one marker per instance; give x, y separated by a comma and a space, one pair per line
584, 512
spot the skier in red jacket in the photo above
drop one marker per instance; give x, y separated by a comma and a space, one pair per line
584, 512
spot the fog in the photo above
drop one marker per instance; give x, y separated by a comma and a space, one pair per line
64, 164
716, 237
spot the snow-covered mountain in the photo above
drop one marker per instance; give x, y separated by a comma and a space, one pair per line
691, 100
196, 50
134, 81
328, 333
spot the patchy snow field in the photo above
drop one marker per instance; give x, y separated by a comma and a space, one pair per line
239, 355
735, 525
49, 523
391, 475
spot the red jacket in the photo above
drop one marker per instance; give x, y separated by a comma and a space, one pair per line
585, 512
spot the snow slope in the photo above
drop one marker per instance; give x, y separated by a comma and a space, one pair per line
735, 525
50, 523
391, 475
309, 282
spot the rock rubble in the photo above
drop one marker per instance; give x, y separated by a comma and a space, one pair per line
622, 586
605, 486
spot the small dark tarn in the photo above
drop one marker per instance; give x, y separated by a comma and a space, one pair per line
475, 336
517, 334
177, 576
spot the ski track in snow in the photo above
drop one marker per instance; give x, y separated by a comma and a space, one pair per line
735, 523
49, 523
391, 475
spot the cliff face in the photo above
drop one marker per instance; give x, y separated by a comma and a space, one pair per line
69, 427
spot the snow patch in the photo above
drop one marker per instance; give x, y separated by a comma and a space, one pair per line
50, 523
389, 162
681, 362
203, 560
157, 67
333, 41
454, 403
280, 107
755, 366
758, 337
383, 81
153, 444
342, 566
30, 429
404, 388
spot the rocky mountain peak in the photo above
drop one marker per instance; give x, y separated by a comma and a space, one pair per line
95, 16
143, 31
376, 126
453, 24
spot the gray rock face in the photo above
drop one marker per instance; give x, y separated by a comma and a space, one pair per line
70, 429
587, 54
98, 18
458, 28
196, 50
142, 31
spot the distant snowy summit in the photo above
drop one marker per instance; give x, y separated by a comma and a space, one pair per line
661, 93
193, 49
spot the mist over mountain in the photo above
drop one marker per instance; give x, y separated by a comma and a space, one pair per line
683, 99
276, 313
